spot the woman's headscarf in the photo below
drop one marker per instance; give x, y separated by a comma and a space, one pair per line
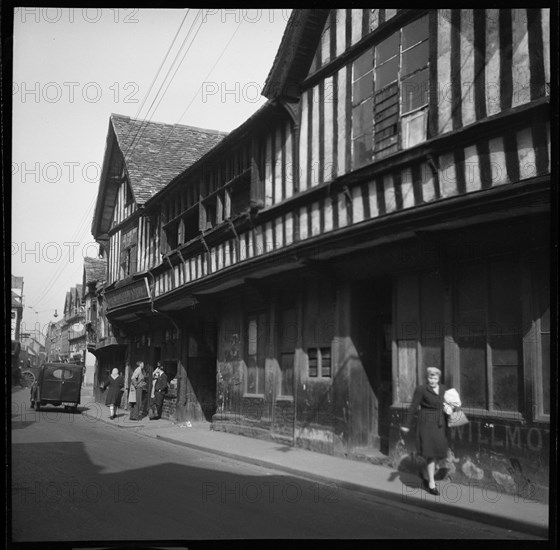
114, 373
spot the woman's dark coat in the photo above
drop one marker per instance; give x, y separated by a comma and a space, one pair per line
114, 393
427, 407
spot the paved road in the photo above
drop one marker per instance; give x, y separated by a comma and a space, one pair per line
76, 479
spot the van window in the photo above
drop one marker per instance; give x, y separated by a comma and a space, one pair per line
62, 373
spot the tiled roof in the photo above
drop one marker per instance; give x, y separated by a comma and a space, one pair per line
233, 138
155, 152
16, 300
94, 270
17, 282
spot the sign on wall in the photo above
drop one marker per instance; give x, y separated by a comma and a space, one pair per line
133, 292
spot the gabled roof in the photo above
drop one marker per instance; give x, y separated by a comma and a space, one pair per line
154, 154
17, 282
295, 54
94, 270
16, 300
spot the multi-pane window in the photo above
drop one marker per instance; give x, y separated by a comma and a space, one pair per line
319, 362
362, 109
129, 252
256, 342
488, 334
390, 94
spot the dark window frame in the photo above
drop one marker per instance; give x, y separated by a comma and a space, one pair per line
488, 337
390, 129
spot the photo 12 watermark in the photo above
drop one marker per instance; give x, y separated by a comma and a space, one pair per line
54, 252
237, 15
55, 172
74, 15
268, 492
76, 492
75, 92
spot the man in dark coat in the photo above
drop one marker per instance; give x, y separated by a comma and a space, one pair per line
161, 388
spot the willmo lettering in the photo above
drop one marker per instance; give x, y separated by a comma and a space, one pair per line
504, 437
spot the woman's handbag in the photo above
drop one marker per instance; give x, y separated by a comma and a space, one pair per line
452, 402
457, 418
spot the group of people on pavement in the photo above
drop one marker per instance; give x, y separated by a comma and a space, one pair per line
140, 404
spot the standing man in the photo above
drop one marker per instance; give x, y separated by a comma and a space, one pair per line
138, 387
156, 374
160, 389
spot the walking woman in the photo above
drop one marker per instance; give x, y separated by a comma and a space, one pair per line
138, 385
115, 383
431, 440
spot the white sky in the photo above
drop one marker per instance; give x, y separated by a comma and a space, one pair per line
72, 68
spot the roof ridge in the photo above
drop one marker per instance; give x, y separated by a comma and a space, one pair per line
175, 125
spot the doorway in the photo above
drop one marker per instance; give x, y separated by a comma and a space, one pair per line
371, 378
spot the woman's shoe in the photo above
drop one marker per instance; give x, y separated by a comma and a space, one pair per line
433, 491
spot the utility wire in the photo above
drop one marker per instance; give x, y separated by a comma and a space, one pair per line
78, 236
200, 87
60, 268
143, 125
158, 71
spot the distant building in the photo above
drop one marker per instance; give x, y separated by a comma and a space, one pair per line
66, 339
35, 351
17, 307
16, 316
96, 325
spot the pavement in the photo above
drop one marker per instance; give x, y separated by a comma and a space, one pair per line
476, 502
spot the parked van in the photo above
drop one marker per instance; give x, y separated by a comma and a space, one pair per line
58, 384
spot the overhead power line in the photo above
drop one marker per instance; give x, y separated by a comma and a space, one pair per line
201, 84
143, 125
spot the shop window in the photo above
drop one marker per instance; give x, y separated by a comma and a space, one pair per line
319, 362
287, 374
488, 333
541, 282
390, 94
256, 341
287, 341
431, 315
